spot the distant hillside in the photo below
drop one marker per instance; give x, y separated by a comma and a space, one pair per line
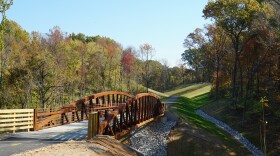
157, 93
189, 90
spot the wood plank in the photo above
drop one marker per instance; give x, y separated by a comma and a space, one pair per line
16, 115
98, 108
19, 119
15, 128
109, 93
16, 110
48, 119
50, 113
16, 124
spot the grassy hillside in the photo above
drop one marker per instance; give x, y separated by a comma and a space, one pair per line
158, 93
191, 98
189, 90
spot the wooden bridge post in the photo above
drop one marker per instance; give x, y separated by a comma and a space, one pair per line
138, 111
103, 101
147, 111
113, 98
148, 105
82, 111
97, 101
35, 120
109, 100
117, 98
90, 102
121, 118
92, 124
128, 118
142, 110
135, 112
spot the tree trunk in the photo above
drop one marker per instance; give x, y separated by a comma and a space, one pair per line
234, 73
217, 80
241, 79
236, 59
258, 85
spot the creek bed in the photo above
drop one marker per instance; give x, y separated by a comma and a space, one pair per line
152, 138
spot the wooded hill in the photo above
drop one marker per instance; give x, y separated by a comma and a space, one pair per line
53, 69
240, 51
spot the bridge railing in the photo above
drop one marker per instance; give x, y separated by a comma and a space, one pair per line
129, 115
78, 110
117, 112
144, 106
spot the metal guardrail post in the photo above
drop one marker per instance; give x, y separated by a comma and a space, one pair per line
92, 125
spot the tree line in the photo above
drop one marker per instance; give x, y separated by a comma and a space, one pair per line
50, 70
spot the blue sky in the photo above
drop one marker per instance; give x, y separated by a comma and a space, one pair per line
162, 23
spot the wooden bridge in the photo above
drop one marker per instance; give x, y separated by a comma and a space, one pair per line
109, 113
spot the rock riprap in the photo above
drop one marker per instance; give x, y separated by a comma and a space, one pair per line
151, 139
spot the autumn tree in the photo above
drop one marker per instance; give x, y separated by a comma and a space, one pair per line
4, 6
17, 73
165, 74
53, 69
194, 53
128, 62
236, 17
146, 53
217, 48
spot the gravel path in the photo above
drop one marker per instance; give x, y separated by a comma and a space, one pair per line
253, 149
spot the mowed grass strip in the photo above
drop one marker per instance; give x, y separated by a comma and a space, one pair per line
187, 89
199, 91
157, 93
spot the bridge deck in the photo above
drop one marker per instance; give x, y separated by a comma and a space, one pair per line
22, 141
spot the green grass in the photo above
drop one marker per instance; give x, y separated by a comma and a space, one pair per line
223, 111
186, 89
158, 93
197, 92
185, 108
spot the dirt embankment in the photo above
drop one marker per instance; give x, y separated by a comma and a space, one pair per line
186, 139
104, 146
